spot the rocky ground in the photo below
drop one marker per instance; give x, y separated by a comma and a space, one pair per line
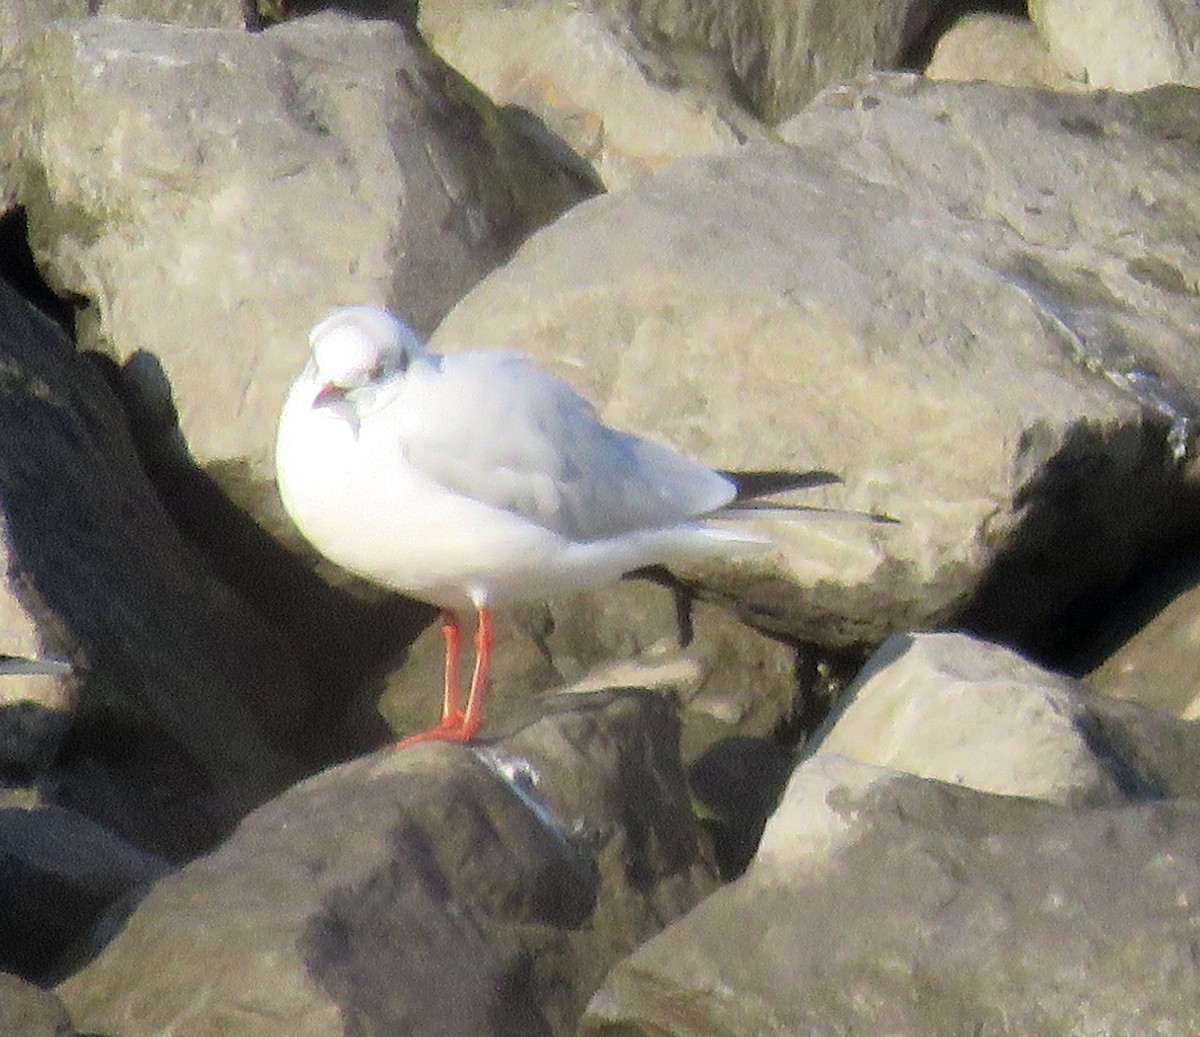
937, 776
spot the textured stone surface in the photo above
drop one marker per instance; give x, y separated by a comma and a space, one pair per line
625, 108
955, 709
421, 891
184, 699
1123, 44
1000, 49
988, 349
883, 902
213, 192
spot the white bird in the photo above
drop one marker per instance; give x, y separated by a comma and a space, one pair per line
474, 479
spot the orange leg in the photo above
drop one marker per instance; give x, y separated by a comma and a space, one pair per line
473, 717
457, 725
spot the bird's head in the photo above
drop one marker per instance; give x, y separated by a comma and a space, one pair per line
359, 347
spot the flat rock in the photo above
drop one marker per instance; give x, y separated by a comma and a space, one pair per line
432, 890
881, 902
956, 709
1016, 398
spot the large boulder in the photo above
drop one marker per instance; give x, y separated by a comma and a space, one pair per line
1123, 44
625, 106
973, 345
433, 890
881, 902
930, 704
184, 706
209, 193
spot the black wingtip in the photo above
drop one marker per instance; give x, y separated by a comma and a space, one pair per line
765, 482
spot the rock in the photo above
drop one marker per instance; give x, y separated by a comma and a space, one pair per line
434, 890
881, 902
1149, 649
60, 871
1017, 396
634, 634
1123, 44
26, 1011
232, 14
955, 709
782, 54
624, 107
998, 48
210, 193
183, 701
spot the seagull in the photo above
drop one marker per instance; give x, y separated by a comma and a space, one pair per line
474, 479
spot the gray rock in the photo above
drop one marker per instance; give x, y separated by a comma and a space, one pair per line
60, 872
1149, 650
212, 192
432, 890
956, 709
998, 48
1123, 44
971, 344
232, 14
27, 1011
183, 699
887, 903
627, 107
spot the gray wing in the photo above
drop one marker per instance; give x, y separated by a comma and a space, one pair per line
497, 429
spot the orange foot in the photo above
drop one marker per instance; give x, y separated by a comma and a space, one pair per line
449, 729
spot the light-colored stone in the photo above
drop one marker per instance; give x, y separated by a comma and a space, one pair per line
211, 193
889, 904
1123, 44
1152, 643
998, 48
986, 350
231, 14
955, 709
625, 110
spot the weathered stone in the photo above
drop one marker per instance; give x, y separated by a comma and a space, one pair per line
432, 890
998, 48
1123, 44
59, 872
625, 108
232, 14
960, 710
184, 698
1150, 647
886, 903
27, 1011
1016, 395
211, 193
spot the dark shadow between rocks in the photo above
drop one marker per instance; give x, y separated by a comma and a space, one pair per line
739, 782
1111, 504
345, 642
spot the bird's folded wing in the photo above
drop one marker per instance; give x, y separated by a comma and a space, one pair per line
496, 429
